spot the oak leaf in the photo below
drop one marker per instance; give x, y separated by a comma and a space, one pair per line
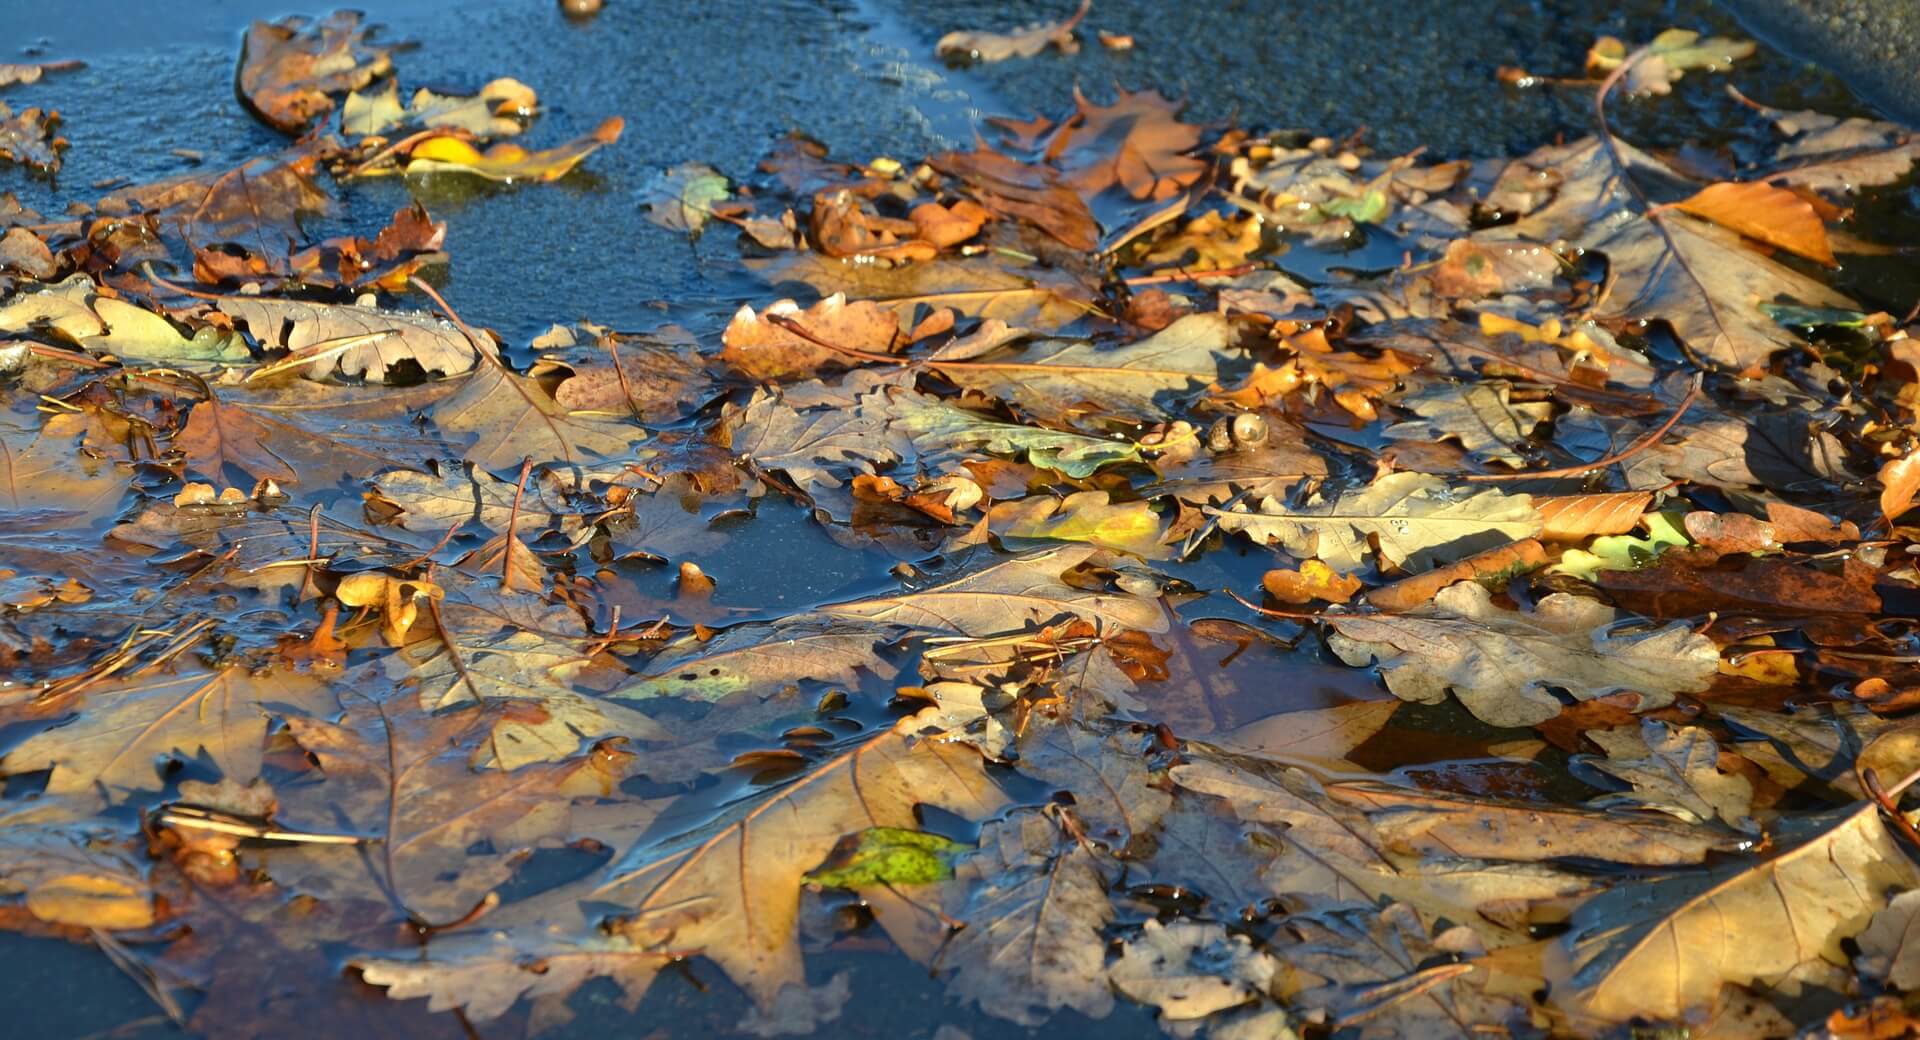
1501, 663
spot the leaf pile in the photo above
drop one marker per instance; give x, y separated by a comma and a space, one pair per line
333, 623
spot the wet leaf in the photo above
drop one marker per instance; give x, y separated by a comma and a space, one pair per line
1190, 970
1033, 941
291, 69
1675, 770
892, 856
1772, 215
357, 341
1501, 663
1486, 423
507, 161
1661, 948
1414, 518
683, 196
968, 45
741, 910
1052, 379
498, 109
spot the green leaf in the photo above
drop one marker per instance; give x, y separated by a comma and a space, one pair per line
681, 198
1625, 552
892, 856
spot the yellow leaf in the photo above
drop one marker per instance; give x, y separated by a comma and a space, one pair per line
91, 901
506, 161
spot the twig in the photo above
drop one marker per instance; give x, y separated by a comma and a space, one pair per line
513, 521
1870, 781
801, 331
1648, 210
1290, 615
466, 330
1194, 276
1693, 394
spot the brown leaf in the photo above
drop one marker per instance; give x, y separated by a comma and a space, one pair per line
1730, 532
1772, 215
1137, 143
1793, 524
1035, 194
289, 69
1899, 481
1663, 948
761, 350
1671, 589
741, 910
1439, 824
27, 137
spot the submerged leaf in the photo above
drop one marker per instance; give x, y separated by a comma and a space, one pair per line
1501, 663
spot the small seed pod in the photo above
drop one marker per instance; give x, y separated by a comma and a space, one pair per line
1240, 432
1220, 436
1249, 430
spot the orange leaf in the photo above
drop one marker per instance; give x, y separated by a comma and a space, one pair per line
1899, 480
1314, 580
1574, 518
1772, 215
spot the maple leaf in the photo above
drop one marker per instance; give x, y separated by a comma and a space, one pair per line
511, 417
1500, 662
754, 346
1135, 143
1693, 274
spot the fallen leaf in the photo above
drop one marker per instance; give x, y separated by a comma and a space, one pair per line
1501, 663
290, 69
1661, 948
968, 45
1190, 971
1414, 518
1759, 211
507, 161
500, 108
